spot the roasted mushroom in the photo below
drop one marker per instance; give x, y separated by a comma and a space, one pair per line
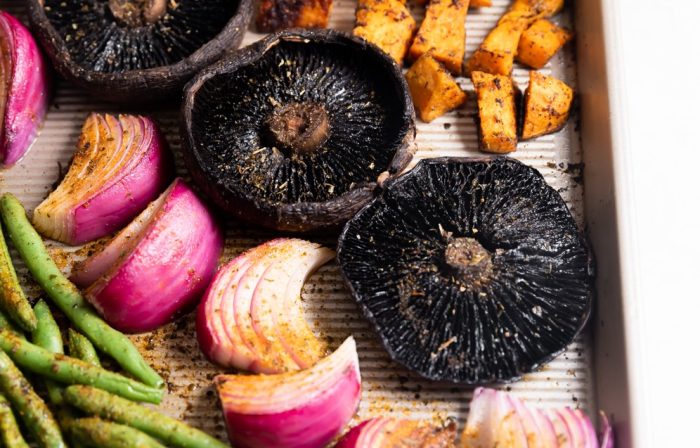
137, 50
295, 131
471, 270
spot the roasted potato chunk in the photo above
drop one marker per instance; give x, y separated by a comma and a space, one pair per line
547, 104
480, 3
275, 15
387, 24
442, 33
540, 42
498, 127
497, 52
433, 89
541, 8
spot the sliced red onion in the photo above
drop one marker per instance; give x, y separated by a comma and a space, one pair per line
386, 432
606, 438
24, 89
251, 317
121, 164
499, 419
302, 409
538, 428
158, 265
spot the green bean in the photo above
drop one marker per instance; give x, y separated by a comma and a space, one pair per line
7, 324
98, 433
10, 435
12, 298
29, 406
67, 297
80, 347
65, 369
111, 407
48, 336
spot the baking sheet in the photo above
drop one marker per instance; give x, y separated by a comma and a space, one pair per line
388, 388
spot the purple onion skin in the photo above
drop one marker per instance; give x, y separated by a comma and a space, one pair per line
310, 426
168, 270
114, 207
28, 94
352, 437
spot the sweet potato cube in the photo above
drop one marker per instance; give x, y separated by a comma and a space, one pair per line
480, 3
496, 103
540, 42
540, 8
497, 52
387, 24
433, 89
547, 104
275, 15
442, 33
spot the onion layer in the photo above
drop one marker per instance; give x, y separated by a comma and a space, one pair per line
120, 165
499, 419
156, 266
24, 89
251, 316
304, 409
392, 433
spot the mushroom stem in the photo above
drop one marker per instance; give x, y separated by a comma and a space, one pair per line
468, 257
301, 128
135, 13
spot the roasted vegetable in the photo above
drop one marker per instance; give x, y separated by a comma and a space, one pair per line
539, 8
69, 370
93, 431
29, 406
433, 89
276, 15
443, 33
387, 24
67, 297
10, 434
177, 434
470, 270
496, 53
497, 120
80, 347
480, 3
547, 104
48, 336
540, 42
13, 302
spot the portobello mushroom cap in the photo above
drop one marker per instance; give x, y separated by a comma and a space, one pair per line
137, 50
295, 131
471, 270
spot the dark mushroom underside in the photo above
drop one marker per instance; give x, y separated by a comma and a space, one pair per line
304, 123
472, 271
114, 36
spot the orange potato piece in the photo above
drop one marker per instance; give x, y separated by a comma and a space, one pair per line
497, 121
541, 8
275, 15
433, 89
443, 33
547, 104
387, 24
497, 52
540, 42
480, 3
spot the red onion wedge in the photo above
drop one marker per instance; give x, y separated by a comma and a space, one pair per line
24, 89
120, 165
302, 409
385, 432
500, 419
251, 316
158, 265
